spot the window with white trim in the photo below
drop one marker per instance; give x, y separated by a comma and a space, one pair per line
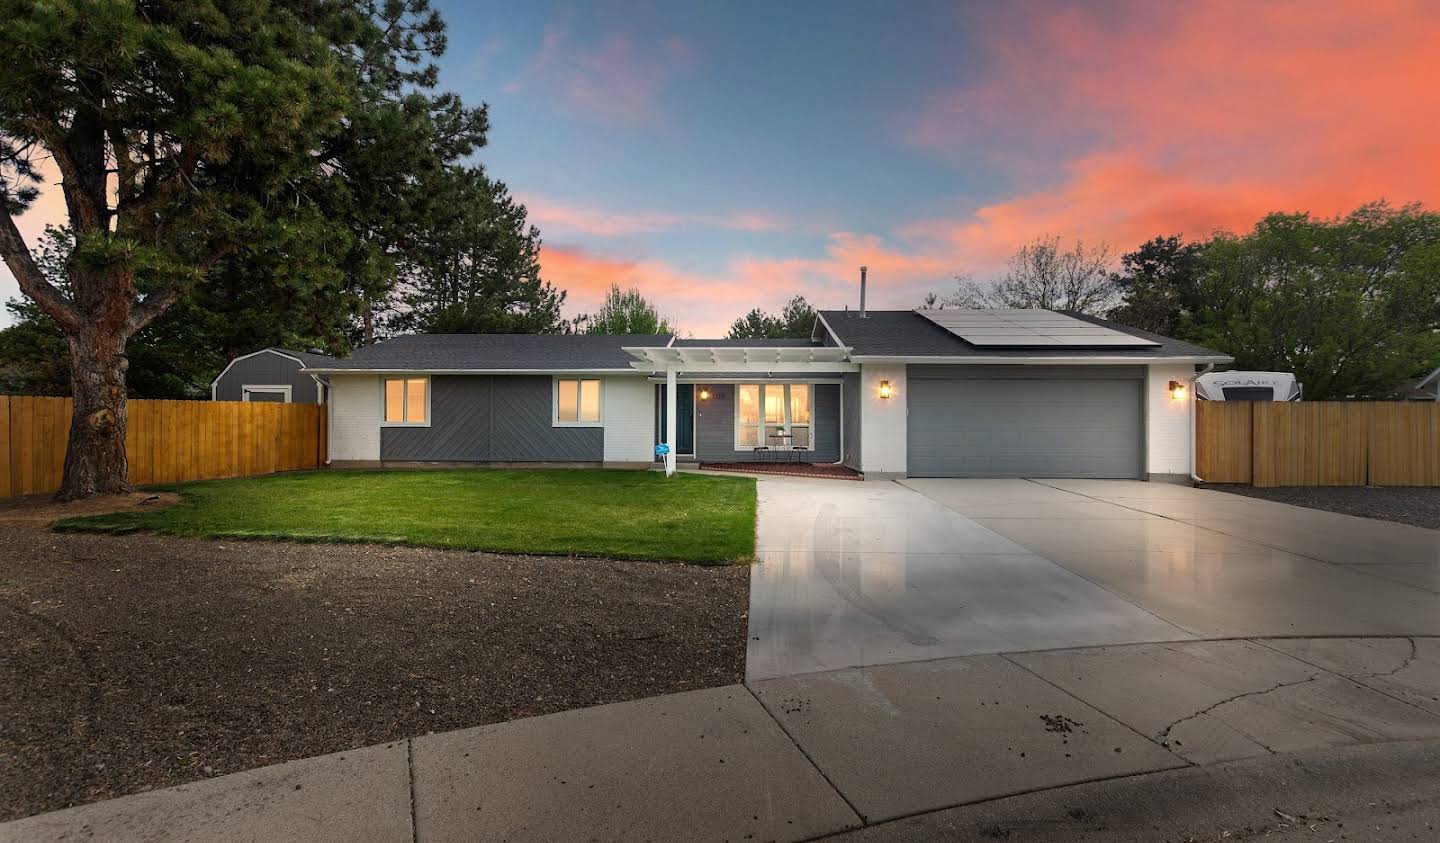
407, 401
775, 415
577, 402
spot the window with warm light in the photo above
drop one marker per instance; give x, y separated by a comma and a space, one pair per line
577, 402
775, 415
407, 401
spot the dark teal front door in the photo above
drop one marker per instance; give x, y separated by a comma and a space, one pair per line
684, 417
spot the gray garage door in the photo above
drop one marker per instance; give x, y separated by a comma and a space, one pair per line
1004, 423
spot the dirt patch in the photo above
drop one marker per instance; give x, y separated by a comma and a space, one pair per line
1417, 506
41, 510
136, 662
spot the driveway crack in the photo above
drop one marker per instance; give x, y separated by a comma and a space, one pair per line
1409, 659
1164, 736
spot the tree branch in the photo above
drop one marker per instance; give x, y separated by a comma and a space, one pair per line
156, 303
32, 281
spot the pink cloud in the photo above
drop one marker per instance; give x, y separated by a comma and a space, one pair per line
615, 80
705, 303
1188, 118
548, 212
830, 280
700, 304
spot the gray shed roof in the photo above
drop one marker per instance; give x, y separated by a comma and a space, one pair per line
905, 333
495, 352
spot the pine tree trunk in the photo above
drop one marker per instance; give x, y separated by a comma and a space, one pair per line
95, 462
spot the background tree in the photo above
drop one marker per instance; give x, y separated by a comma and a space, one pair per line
1158, 285
398, 158
1350, 305
478, 270
795, 321
624, 312
1043, 275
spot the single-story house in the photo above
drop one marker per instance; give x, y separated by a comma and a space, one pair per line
272, 374
922, 393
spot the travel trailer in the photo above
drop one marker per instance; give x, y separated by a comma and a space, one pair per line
1247, 386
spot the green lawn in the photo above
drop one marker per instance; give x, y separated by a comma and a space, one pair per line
619, 514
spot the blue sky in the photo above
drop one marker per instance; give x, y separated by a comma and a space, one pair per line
723, 156
732, 155
689, 138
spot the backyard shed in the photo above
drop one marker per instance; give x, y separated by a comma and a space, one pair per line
274, 375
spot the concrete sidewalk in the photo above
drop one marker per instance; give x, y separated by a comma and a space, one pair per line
799, 757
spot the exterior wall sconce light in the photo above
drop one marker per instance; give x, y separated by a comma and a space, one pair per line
704, 394
885, 390
1178, 390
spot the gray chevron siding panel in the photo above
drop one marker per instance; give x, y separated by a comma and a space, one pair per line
715, 426
521, 427
483, 418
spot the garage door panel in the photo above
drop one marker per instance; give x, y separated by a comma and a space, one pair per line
989, 427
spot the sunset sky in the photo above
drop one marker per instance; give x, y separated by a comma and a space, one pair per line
723, 156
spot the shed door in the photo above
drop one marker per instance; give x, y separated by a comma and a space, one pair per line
1030, 427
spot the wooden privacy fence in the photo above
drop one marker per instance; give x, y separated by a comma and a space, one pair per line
1318, 443
166, 441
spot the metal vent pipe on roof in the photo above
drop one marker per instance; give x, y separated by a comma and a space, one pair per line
862, 292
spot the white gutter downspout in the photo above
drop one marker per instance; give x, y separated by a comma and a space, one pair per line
1194, 399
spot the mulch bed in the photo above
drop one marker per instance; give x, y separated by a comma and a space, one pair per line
142, 661
1418, 506
792, 469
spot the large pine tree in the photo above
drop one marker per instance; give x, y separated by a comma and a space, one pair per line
258, 170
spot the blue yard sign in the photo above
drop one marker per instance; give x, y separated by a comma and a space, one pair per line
662, 449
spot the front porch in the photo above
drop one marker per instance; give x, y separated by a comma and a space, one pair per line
772, 419
746, 399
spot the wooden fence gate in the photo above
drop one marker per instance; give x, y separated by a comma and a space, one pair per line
1318, 443
166, 441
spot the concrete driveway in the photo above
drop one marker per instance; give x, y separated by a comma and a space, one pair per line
856, 574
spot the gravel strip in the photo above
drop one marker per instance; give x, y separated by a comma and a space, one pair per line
1418, 506
138, 662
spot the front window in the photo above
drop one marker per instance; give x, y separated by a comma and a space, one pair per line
577, 401
775, 415
407, 401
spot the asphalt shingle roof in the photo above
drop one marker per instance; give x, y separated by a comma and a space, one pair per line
882, 333
905, 333
498, 352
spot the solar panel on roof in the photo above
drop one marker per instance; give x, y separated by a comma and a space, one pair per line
1010, 328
